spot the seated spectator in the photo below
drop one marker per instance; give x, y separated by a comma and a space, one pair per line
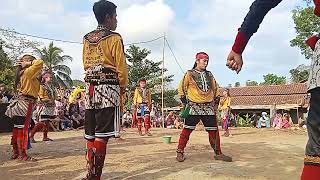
170, 120
127, 119
178, 124
159, 121
64, 122
286, 121
77, 120
59, 106
82, 108
277, 121
4, 98
153, 113
254, 120
302, 123
264, 121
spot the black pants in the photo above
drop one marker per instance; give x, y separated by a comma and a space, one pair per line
313, 124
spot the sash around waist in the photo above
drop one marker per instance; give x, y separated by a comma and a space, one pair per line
27, 97
103, 76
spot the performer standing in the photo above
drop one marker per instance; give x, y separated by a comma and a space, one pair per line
106, 78
311, 170
20, 110
258, 10
47, 96
142, 101
199, 91
224, 107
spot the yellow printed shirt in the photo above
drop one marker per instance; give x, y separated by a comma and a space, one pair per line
29, 83
46, 94
142, 96
104, 48
199, 87
224, 103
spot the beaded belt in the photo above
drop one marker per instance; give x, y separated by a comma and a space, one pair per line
105, 76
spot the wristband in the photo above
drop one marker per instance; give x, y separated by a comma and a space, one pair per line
240, 43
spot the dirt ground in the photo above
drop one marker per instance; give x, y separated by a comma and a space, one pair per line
257, 153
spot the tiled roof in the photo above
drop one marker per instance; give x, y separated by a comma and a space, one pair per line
269, 90
269, 95
267, 99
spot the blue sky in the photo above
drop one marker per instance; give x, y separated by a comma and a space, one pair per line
190, 26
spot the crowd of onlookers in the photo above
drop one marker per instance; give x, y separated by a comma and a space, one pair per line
5, 96
69, 115
278, 121
171, 120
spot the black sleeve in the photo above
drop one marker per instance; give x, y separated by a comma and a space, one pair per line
256, 14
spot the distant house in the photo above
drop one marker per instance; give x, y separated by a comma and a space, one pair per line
292, 98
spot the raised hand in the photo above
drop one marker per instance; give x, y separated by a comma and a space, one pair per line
234, 61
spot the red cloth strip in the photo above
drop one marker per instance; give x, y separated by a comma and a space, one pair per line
311, 41
36, 128
317, 7
101, 147
240, 43
202, 56
310, 172
91, 90
184, 138
26, 127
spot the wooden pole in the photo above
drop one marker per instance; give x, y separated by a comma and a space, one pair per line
162, 85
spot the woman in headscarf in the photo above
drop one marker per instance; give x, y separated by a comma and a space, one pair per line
264, 121
224, 107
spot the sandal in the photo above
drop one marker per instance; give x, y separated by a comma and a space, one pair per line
47, 139
14, 156
180, 156
222, 157
148, 134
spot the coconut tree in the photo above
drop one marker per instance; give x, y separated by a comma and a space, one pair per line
54, 62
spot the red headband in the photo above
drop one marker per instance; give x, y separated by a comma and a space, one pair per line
202, 55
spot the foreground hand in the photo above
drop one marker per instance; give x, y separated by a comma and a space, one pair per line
234, 61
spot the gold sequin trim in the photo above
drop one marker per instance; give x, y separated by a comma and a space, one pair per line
312, 159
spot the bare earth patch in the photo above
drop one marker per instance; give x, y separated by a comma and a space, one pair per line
257, 154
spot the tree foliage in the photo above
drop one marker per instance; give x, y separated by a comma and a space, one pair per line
168, 97
54, 62
272, 79
15, 44
251, 83
7, 70
299, 74
79, 83
306, 24
141, 67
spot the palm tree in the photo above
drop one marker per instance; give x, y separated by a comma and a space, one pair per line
53, 60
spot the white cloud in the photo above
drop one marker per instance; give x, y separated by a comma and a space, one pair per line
143, 21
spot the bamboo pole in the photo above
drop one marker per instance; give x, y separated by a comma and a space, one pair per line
162, 85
